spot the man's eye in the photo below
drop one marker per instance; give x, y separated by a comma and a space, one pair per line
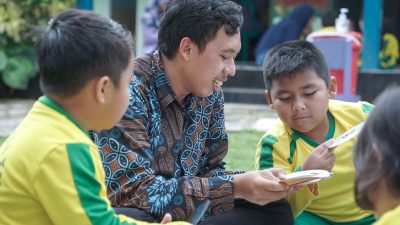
224, 57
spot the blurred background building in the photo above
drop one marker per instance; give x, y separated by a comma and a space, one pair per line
371, 18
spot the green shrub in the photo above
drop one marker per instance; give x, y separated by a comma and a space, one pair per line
19, 22
2, 139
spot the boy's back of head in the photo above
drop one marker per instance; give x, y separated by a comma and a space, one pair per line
292, 58
376, 154
78, 46
199, 20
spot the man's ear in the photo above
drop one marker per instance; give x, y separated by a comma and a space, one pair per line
102, 87
186, 48
267, 95
332, 88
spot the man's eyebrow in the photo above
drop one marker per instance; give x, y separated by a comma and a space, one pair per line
229, 50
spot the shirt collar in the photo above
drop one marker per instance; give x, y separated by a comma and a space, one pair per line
52, 104
163, 85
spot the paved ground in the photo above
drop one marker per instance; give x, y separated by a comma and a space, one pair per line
238, 116
248, 117
11, 114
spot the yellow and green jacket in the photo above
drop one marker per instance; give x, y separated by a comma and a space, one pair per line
390, 217
333, 199
51, 173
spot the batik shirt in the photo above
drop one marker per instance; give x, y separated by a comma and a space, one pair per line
163, 156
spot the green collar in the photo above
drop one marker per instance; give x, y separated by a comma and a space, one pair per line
328, 136
52, 104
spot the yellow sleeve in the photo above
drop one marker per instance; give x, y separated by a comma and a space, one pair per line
300, 200
67, 188
274, 152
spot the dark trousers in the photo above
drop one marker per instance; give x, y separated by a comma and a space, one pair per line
137, 214
244, 213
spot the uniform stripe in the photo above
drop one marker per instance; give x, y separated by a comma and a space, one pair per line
312, 218
294, 138
366, 107
266, 158
52, 104
88, 187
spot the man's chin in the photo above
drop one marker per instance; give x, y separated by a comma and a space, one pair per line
204, 94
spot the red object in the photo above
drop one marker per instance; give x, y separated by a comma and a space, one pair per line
341, 51
356, 48
338, 74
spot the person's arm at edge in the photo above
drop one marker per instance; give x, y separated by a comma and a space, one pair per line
80, 192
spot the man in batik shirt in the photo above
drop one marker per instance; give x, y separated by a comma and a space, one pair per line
166, 153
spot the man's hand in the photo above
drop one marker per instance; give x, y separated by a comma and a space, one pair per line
321, 158
167, 219
260, 187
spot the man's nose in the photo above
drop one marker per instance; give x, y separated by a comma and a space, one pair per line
230, 70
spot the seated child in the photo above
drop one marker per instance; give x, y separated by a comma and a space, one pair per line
50, 170
299, 89
377, 160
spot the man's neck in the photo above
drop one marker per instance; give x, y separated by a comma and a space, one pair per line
174, 73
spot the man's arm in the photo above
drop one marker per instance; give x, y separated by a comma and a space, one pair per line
217, 142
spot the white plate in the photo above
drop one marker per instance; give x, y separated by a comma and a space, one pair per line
347, 135
306, 177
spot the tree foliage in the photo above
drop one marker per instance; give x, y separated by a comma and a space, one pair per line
20, 21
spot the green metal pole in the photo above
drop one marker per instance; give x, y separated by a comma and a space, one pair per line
372, 17
84, 4
140, 6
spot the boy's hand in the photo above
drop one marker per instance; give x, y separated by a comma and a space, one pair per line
260, 187
321, 158
295, 188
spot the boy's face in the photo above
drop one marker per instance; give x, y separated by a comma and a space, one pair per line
206, 71
119, 97
301, 101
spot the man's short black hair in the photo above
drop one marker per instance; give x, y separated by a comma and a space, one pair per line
291, 58
198, 20
78, 46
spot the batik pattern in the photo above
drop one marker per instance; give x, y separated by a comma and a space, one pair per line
163, 156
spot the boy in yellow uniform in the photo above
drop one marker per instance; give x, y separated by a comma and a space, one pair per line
299, 89
50, 170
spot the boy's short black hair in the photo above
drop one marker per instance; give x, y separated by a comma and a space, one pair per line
199, 20
291, 58
78, 46
377, 151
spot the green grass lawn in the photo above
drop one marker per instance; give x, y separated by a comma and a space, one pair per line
242, 148
2, 139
